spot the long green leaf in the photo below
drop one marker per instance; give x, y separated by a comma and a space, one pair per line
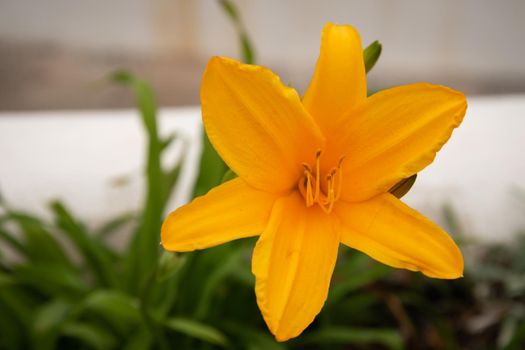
211, 170
170, 180
13, 333
92, 251
225, 260
117, 309
39, 245
115, 224
14, 243
16, 314
50, 278
47, 322
197, 330
144, 249
229, 8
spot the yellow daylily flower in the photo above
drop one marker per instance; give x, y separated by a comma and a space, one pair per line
314, 173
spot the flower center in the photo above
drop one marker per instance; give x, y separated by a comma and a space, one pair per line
315, 191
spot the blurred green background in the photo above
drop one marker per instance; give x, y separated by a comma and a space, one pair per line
64, 286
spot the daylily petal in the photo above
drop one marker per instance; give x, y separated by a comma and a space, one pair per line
339, 81
394, 135
230, 211
293, 263
397, 235
257, 125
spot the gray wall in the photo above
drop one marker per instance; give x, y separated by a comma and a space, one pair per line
472, 43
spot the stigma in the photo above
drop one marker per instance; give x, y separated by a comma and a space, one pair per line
312, 188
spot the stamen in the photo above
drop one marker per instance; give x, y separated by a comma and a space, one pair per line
311, 180
317, 174
340, 177
309, 195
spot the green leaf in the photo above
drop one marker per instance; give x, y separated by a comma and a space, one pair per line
114, 225
170, 180
164, 143
248, 53
356, 280
228, 175
253, 338
226, 259
144, 247
13, 333
16, 315
371, 55
403, 186
47, 322
139, 340
211, 170
51, 279
118, 309
17, 302
14, 243
169, 264
93, 252
197, 330
90, 334
350, 335
39, 244
229, 8
50, 315
145, 100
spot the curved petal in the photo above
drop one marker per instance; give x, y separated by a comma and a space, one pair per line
394, 135
293, 263
397, 235
257, 125
339, 81
230, 211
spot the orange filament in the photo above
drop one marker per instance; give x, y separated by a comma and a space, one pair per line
310, 184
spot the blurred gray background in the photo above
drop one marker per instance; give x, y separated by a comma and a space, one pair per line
53, 52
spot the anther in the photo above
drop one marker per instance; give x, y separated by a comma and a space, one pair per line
307, 167
340, 162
